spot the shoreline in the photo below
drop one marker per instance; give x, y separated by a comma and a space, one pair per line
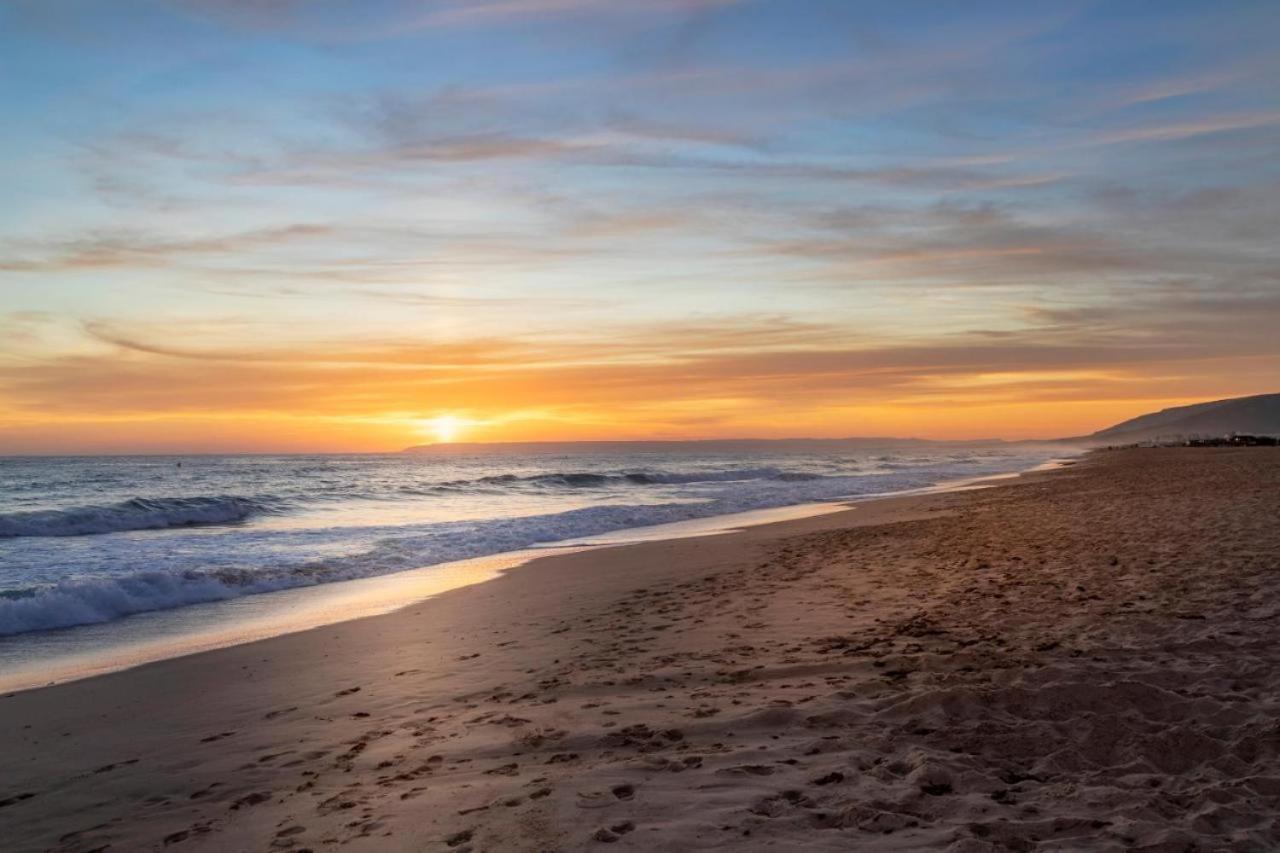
39, 659
1085, 658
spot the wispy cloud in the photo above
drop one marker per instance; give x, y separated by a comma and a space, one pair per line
339, 23
117, 249
480, 12
1185, 130
1174, 87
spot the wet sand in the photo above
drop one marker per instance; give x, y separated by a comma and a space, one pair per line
1078, 660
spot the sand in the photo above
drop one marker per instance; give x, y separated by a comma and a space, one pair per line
1079, 660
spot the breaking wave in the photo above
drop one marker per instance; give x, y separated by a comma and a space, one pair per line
133, 514
594, 480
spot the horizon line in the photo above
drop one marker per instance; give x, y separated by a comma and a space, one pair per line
443, 446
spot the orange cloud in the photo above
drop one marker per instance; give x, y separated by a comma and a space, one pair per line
747, 377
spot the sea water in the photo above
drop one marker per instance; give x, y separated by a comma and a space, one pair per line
90, 540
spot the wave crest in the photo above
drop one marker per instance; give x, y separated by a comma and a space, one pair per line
596, 480
134, 514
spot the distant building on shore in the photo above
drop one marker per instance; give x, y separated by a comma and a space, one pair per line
1232, 440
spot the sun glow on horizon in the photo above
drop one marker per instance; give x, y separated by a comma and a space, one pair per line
444, 428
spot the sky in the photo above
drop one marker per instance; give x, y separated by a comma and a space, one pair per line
354, 226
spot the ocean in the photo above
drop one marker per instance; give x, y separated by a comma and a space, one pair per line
90, 540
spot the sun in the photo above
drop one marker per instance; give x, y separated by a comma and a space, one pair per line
444, 428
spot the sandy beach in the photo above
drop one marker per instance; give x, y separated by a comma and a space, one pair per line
1083, 659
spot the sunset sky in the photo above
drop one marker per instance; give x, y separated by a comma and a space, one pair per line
234, 225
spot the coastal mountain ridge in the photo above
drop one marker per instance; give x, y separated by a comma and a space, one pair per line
1255, 415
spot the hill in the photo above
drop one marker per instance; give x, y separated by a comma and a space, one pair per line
1257, 415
